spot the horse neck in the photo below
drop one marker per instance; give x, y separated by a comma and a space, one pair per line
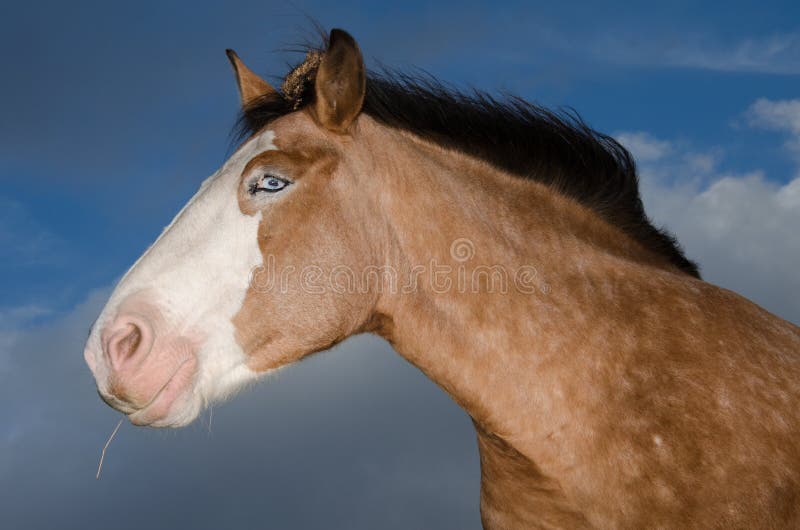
489, 350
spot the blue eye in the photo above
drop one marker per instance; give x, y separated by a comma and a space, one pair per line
270, 184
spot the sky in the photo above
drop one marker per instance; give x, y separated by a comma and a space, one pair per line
113, 113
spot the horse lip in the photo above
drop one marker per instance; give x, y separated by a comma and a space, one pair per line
132, 416
116, 404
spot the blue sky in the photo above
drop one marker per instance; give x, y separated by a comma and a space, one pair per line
112, 114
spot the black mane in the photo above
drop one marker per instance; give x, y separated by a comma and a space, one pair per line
555, 148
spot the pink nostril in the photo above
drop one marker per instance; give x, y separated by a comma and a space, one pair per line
129, 342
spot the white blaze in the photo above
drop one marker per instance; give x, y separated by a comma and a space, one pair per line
199, 270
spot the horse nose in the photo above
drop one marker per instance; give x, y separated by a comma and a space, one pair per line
129, 341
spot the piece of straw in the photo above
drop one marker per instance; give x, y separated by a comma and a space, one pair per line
103, 454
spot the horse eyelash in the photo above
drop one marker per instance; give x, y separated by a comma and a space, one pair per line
253, 187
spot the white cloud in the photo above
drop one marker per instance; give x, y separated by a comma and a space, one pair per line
13, 321
782, 115
774, 54
740, 227
743, 231
671, 163
644, 146
16, 317
358, 419
777, 54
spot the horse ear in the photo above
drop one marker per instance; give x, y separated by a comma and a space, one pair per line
340, 83
251, 87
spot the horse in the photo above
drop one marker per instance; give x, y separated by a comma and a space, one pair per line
503, 250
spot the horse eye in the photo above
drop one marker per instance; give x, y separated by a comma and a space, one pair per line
270, 184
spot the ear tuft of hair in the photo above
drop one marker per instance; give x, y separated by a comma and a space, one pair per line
294, 87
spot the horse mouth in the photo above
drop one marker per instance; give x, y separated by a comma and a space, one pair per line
157, 412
